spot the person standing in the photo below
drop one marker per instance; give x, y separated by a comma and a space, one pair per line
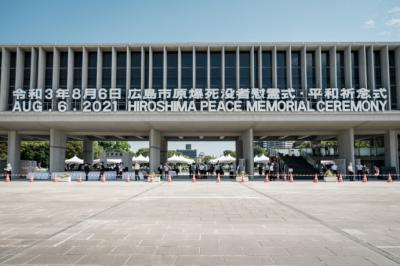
8, 170
136, 169
350, 171
359, 169
87, 170
102, 170
231, 171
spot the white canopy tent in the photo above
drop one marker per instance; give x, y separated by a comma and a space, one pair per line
140, 159
261, 159
223, 159
74, 160
179, 159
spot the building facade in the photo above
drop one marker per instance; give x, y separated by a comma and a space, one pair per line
66, 92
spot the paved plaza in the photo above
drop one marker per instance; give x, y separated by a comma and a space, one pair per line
203, 223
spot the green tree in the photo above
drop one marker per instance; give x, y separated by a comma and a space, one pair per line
35, 151
229, 152
258, 151
208, 158
171, 153
74, 148
118, 146
3, 150
143, 151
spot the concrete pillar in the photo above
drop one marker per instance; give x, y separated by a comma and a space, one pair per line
362, 54
223, 68
142, 68
163, 150
346, 145
150, 68
88, 151
347, 67
14, 151
333, 70
155, 147
70, 74
289, 67
208, 67
397, 64
237, 67
252, 67
56, 74
274, 71
260, 85
179, 68
304, 70
113, 67
239, 148
384, 53
5, 77
318, 68
58, 142
33, 78
19, 71
193, 67
41, 68
391, 149
99, 79
370, 68
248, 151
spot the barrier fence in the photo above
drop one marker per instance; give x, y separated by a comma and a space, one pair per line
130, 176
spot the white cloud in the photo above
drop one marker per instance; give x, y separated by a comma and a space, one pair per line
394, 22
395, 9
369, 24
385, 33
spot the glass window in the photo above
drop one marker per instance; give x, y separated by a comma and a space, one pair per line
11, 81
266, 69
310, 63
121, 78
340, 76
136, 70
281, 70
296, 72
230, 70
355, 70
106, 70
27, 70
245, 70
215, 70
256, 76
377, 69
201, 70
92, 69
325, 70
63, 70
392, 74
76, 104
172, 70
187, 70
48, 80
158, 70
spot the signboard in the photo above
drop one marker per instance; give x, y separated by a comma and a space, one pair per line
203, 100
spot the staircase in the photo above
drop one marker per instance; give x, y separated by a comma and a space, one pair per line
300, 166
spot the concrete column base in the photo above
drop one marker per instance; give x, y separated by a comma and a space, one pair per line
58, 142
14, 151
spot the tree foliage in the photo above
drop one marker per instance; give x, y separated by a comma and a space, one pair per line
3, 150
229, 152
143, 151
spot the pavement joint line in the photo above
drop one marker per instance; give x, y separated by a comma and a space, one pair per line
331, 227
7, 258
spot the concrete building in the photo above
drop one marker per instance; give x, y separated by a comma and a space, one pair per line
166, 67
188, 151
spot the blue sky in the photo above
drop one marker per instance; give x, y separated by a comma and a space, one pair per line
106, 21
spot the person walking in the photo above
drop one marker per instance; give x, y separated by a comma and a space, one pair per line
231, 171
